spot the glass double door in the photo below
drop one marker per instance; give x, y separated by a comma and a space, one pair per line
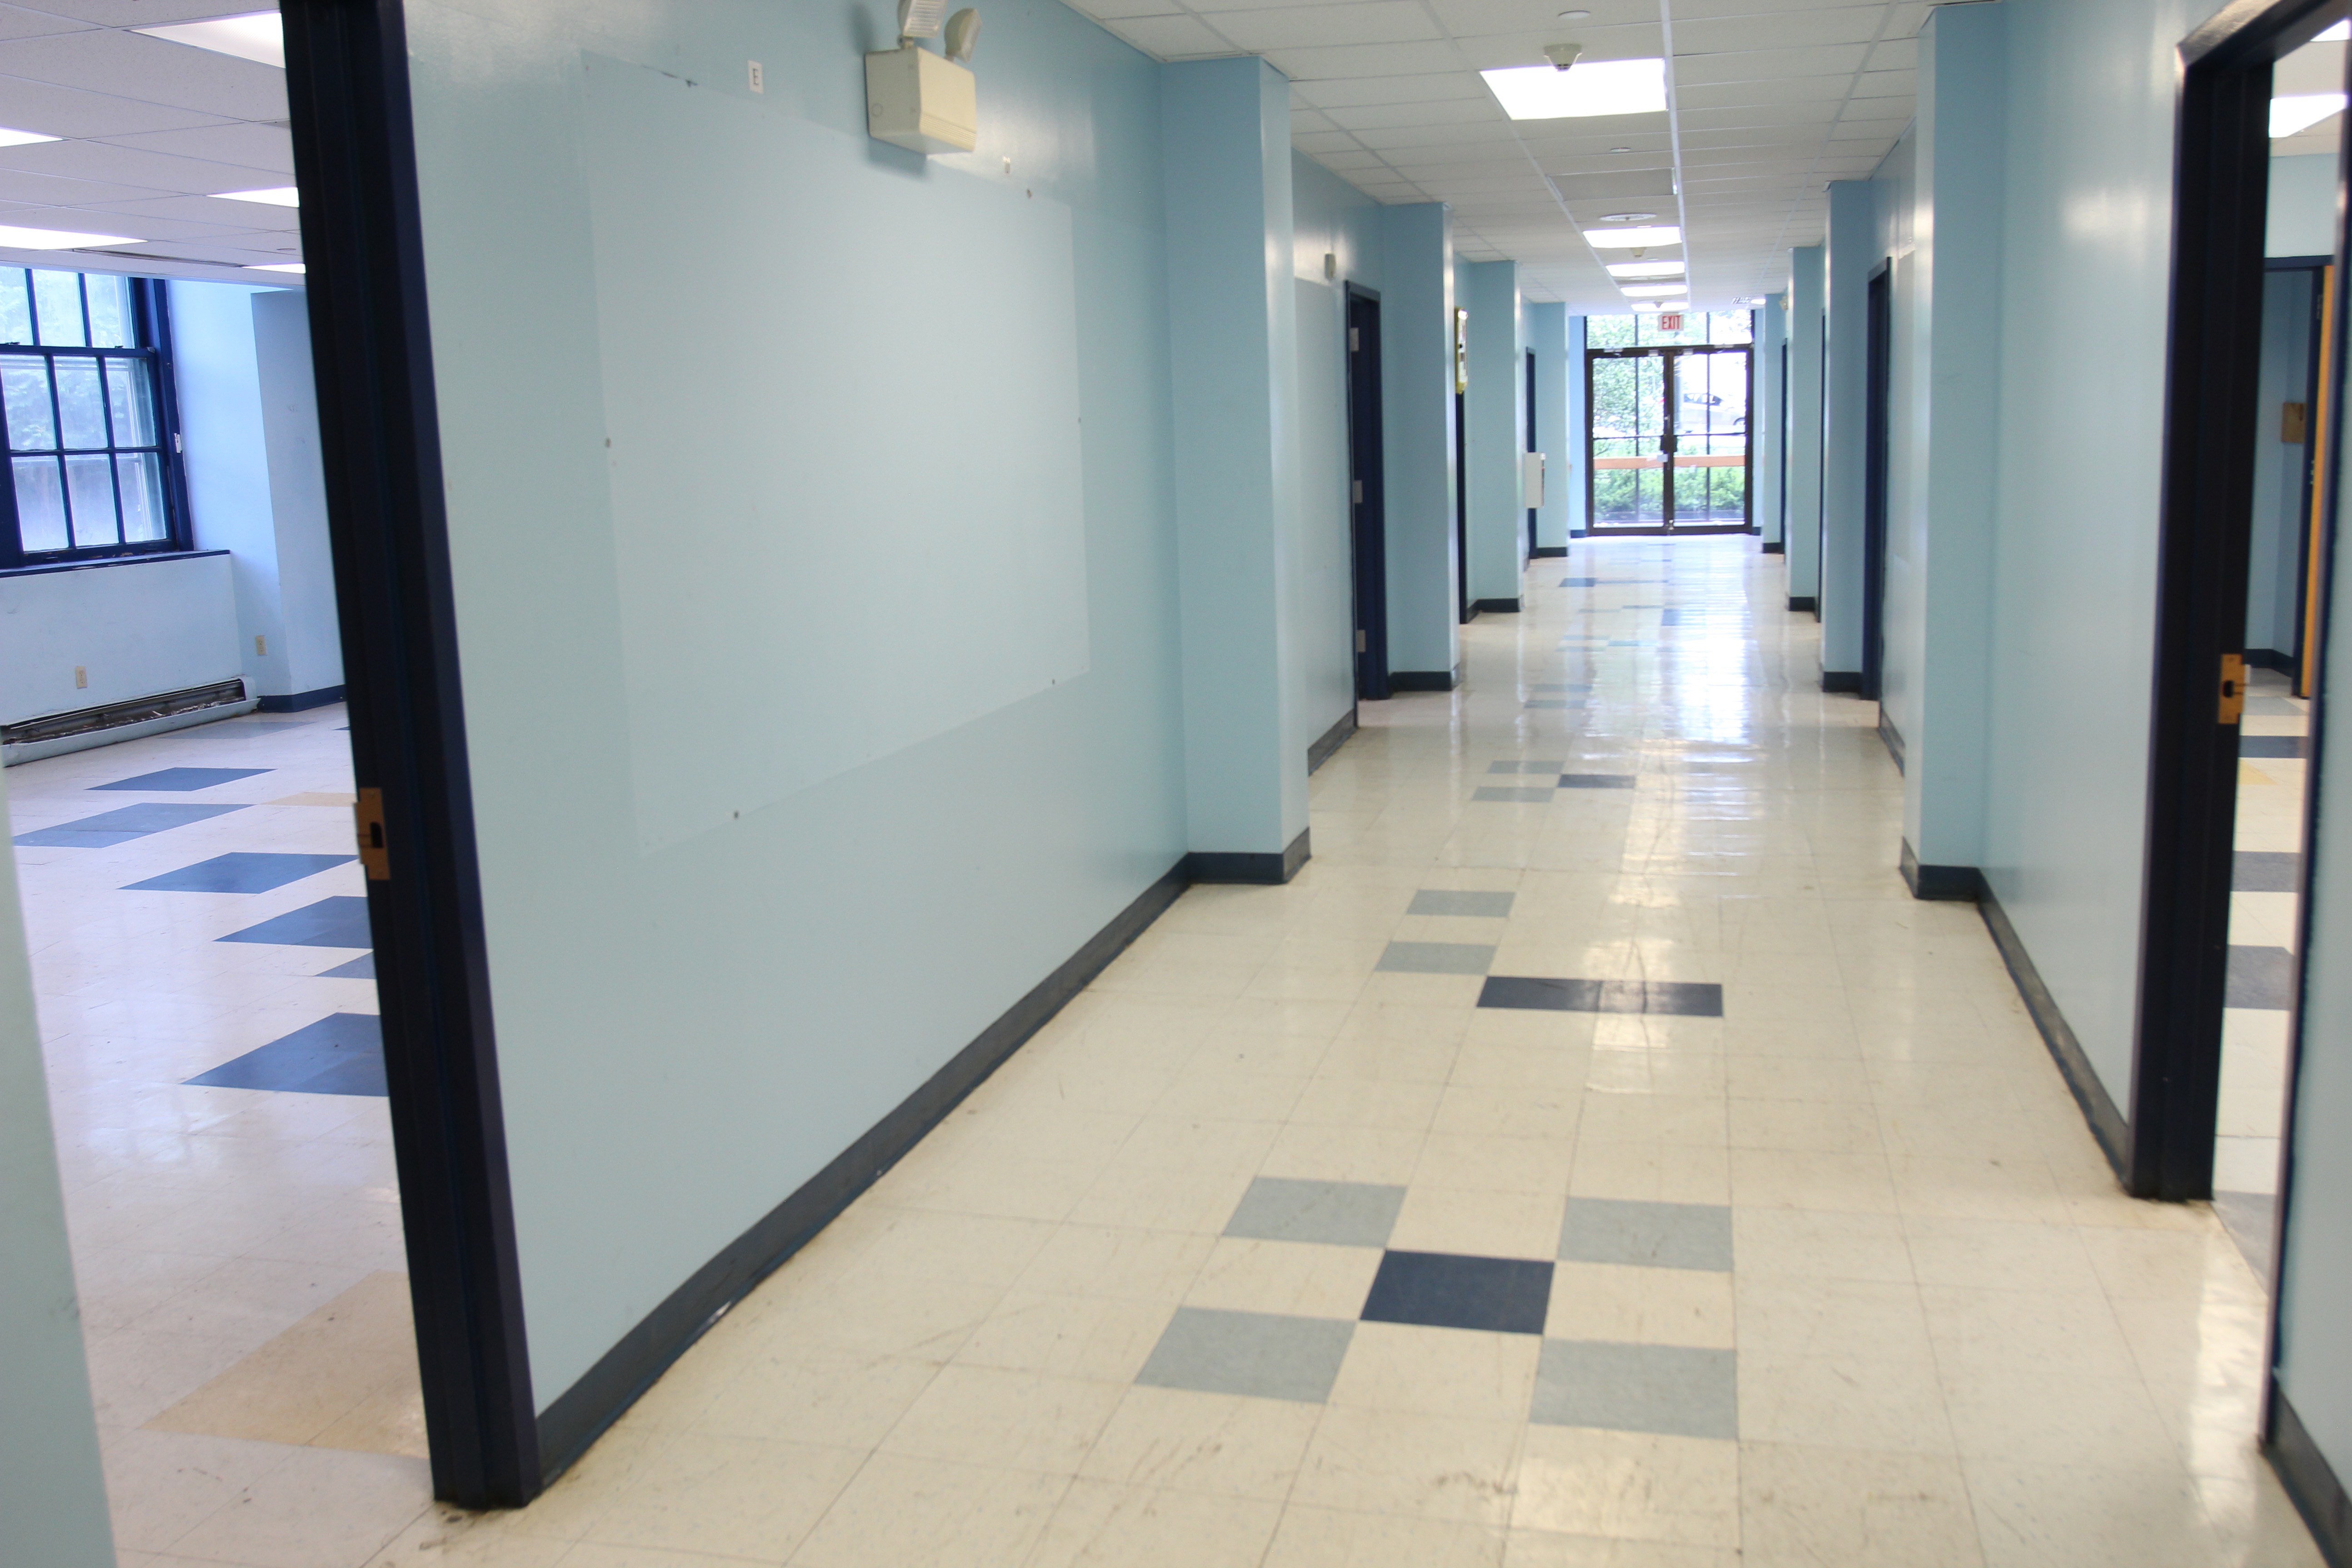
1667, 439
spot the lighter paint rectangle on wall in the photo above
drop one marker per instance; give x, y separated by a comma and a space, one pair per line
964, 506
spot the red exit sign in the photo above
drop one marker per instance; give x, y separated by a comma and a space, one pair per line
1669, 323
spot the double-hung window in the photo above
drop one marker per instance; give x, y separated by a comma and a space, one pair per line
91, 442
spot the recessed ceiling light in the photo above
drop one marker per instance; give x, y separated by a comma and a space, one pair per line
1645, 270
58, 240
1627, 218
276, 267
1593, 87
21, 138
1587, 15
276, 196
1641, 305
2301, 110
1751, 300
1621, 149
1632, 239
258, 36
2337, 34
1652, 290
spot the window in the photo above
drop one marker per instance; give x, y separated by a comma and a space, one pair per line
91, 446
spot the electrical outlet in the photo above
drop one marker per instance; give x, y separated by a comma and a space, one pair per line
81, 677
261, 646
759, 78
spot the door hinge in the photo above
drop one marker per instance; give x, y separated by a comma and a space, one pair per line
1355, 339
2233, 687
368, 812
1356, 492
1359, 639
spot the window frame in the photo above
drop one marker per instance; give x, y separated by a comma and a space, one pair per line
151, 314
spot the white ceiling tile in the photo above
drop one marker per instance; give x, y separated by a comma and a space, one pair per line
1319, 141
1886, 84
1867, 129
70, 112
157, 172
150, 70
1769, 65
15, 22
1819, 112
1445, 112
1788, 89
1757, 136
146, 13
1788, 30
1901, 54
1365, 59
1478, 135
246, 145
1349, 161
2314, 67
1306, 119
1305, 27
214, 214
1172, 37
1426, 88
56, 191
1112, 10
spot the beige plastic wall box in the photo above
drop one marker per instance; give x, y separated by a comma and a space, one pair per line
921, 101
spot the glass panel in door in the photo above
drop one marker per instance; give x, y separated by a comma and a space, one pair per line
1710, 471
1629, 425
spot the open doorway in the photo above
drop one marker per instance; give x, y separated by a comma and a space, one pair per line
2254, 381
1878, 392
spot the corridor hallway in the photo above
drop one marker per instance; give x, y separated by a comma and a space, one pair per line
1593, 1157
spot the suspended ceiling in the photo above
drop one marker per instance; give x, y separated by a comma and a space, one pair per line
150, 133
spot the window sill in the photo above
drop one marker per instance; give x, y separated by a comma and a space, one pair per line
41, 568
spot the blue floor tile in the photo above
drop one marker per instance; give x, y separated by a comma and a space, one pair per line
2251, 871
1436, 958
360, 968
329, 923
1684, 998
1333, 1214
1644, 1235
343, 1053
1450, 901
1519, 795
243, 871
119, 827
183, 779
1440, 1291
1538, 766
2274, 746
2260, 977
1261, 1355
1596, 780
1673, 1390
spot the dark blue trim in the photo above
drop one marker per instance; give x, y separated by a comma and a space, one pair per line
300, 700
139, 560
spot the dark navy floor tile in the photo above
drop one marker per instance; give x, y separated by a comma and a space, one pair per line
2251, 871
360, 968
1440, 1291
1597, 781
119, 827
2260, 977
183, 779
1680, 997
2274, 746
241, 872
1673, 1390
343, 1053
329, 923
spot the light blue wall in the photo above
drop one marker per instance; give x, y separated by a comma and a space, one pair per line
1330, 217
1945, 220
1417, 409
1768, 419
688, 1030
1580, 420
1548, 330
2302, 207
52, 1494
2089, 131
1806, 267
1496, 410
1854, 251
2275, 562
248, 415
1233, 332
135, 629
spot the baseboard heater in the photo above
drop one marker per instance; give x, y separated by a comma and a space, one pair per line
138, 711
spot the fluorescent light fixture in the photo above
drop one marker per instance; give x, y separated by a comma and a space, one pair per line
1643, 307
57, 239
1633, 238
2302, 110
1639, 290
1591, 87
2337, 34
258, 36
276, 267
22, 138
277, 196
1645, 270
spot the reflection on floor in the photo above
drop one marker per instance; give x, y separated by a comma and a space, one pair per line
217, 1085
2273, 735
1552, 1175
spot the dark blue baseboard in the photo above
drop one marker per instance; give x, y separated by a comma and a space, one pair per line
2310, 1481
301, 699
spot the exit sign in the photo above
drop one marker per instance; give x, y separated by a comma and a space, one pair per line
1669, 323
